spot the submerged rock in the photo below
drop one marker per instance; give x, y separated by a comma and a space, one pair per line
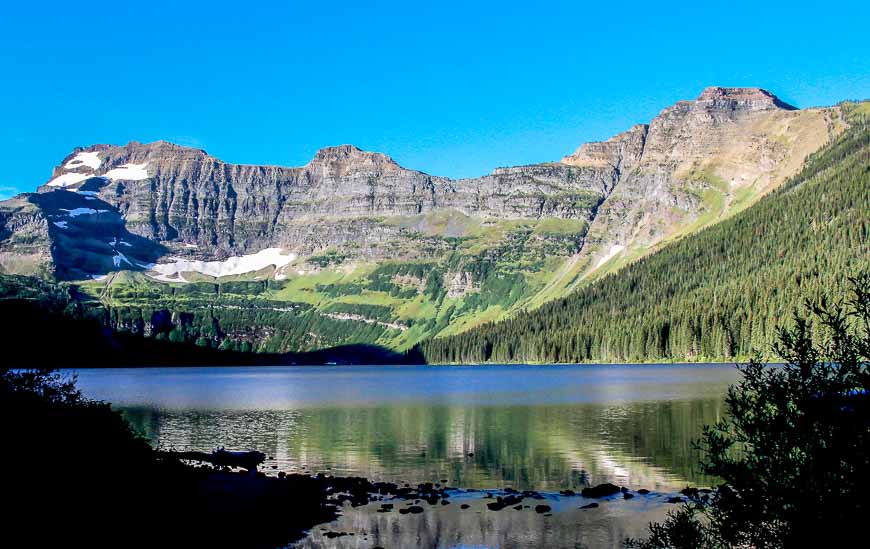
502, 502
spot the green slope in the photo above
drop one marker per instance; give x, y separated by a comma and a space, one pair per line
714, 295
328, 300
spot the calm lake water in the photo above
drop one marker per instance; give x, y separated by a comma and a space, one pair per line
528, 427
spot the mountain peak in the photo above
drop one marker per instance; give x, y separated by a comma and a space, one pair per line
754, 98
346, 150
346, 158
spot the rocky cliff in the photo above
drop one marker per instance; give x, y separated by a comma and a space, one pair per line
183, 196
699, 161
510, 239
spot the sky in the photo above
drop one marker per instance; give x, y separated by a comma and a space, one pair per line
449, 88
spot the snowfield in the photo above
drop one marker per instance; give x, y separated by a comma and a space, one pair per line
230, 266
68, 179
128, 172
615, 249
89, 159
82, 211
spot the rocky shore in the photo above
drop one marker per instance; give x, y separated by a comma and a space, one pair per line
302, 508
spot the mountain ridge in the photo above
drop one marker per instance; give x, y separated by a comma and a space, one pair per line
714, 97
460, 251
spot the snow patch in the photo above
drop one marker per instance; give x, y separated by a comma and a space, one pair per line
165, 278
68, 179
615, 249
231, 266
99, 277
61, 224
89, 159
119, 257
128, 172
88, 193
82, 211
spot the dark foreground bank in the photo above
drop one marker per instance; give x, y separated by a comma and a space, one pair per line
76, 475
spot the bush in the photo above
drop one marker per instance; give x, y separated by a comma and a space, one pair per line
793, 450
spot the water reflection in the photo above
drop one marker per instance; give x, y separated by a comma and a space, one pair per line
451, 526
528, 427
642, 445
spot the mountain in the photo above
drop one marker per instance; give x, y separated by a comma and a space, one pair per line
719, 294
354, 248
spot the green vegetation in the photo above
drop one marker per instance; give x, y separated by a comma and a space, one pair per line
714, 295
792, 451
86, 331
482, 270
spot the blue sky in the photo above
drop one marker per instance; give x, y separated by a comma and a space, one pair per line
448, 88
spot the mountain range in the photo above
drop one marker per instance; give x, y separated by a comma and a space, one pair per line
173, 243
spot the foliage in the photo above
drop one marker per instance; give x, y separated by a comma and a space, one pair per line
793, 450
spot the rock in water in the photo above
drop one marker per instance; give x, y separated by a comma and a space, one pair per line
600, 491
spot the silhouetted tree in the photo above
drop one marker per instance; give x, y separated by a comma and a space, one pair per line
793, 449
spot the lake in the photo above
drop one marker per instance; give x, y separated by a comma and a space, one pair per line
544, 428
527, 427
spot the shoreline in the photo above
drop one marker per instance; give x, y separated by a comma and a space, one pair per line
406, 365
345, 503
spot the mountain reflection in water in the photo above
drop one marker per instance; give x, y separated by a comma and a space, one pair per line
528, 427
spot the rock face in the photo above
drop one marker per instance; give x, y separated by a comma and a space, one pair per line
632, 191
25, 246
188, 197
621, 153
698, 161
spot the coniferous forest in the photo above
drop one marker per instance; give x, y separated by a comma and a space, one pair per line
716, 295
